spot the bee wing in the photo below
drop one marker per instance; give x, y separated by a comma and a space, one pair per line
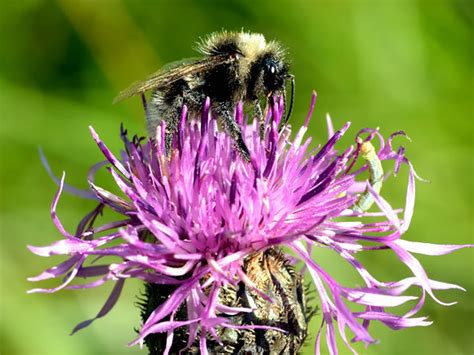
172, 72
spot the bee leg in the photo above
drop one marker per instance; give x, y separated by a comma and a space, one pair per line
170, 113
172, 118
260, 118
224, 111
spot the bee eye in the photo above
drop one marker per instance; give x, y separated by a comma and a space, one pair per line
269, 66
272, 79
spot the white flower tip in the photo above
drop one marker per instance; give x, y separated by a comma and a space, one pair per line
40, 251
445, 303
94, 133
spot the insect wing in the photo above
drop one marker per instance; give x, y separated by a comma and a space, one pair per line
172, 72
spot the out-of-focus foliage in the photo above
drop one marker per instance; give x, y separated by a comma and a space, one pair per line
395, 64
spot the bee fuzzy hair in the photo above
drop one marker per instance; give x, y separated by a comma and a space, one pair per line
212, 44
245, 43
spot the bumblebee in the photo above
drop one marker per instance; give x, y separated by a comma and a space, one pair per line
235, 66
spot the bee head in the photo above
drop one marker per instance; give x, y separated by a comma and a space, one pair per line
275, 72
267, 75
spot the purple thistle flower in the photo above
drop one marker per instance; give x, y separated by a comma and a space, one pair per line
191, 219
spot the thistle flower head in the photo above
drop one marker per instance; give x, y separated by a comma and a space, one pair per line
191, 218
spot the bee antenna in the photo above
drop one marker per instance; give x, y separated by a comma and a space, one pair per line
292, 100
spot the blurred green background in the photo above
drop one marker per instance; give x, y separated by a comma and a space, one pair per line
394, 64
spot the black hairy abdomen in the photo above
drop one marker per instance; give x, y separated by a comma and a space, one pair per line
177, 89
